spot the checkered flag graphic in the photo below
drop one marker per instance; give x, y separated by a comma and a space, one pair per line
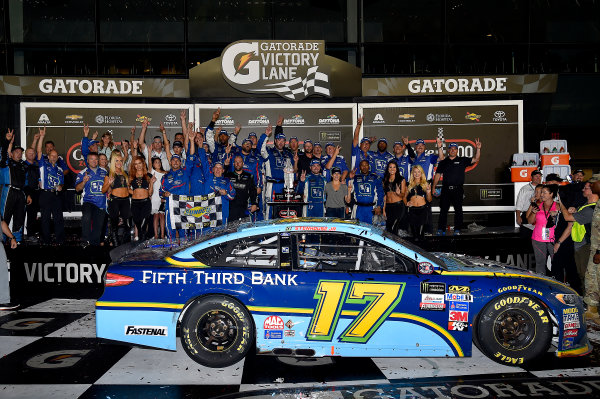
441, 136
195, 212
297, 89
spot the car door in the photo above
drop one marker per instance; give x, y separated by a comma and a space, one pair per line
364, 299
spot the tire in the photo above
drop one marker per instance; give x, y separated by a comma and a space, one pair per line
216, 331
513, 329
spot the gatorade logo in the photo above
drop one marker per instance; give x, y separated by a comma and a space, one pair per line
523, 173
554, 160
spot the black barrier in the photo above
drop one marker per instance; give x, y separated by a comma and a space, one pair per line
57, 272
75, 272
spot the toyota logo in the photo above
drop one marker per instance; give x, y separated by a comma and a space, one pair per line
170, 118
499, 114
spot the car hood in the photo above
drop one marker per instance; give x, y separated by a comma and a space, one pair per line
456, 263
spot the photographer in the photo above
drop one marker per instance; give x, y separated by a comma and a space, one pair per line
542, 217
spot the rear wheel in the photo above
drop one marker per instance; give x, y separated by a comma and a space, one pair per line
216, 331
513, 329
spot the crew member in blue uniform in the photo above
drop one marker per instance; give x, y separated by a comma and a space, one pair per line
312, 187
333, 159
51, 181
361, 152
218, 144
368, 194
177, 181
381, 158
427, 161
93, 211
404, 160
276, 159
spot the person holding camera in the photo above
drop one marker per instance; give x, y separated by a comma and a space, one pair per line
542, 217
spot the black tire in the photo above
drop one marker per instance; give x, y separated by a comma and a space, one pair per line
513, 329
216, 331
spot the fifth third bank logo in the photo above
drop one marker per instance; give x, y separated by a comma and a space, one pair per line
292, 69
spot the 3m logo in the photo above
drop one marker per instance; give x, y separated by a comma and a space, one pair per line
458, 316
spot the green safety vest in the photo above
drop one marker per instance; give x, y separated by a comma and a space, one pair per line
578, 230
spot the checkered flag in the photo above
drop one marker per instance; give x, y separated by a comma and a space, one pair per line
298, 89
441, 137
195, 212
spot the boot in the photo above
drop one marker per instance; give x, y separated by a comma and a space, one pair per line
591, 314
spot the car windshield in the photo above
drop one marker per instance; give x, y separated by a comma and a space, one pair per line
415, 248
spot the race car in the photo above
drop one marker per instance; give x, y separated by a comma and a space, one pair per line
332, 287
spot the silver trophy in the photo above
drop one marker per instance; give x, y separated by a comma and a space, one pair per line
288, 180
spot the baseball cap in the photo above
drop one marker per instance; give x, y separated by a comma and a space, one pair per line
579, 171
177, 144
280, 136
553, 177
317, 144
328, 144
252, 134
315, 162
92, 142
365, 139
217, 163
293, 138
382, 139
453, 145
225, 132
420, 141
336, 170
398, 143
307, 141
18, 148
535, 172
175, 156
246, 140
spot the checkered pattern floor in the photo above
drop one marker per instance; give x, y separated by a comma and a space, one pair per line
49, 350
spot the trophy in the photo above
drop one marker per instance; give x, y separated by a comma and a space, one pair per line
288, 181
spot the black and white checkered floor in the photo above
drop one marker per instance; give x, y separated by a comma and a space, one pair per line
49, 350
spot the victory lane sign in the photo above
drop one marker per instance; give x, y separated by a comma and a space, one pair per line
292, 69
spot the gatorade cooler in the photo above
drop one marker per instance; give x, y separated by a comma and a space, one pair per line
554, 152
523, 165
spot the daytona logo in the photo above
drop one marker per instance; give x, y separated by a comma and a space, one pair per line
146, 330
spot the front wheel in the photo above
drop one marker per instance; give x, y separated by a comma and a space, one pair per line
514, 329
216, 331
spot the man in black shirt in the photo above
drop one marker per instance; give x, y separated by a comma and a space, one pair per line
245, 190
302, 162
452, 168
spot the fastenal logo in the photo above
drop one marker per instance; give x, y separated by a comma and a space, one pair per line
406, 118
292, 69
378, 119
259, 120
499, 116
146, 330
294, 120
472, 116
330, 120
44, 120
225, 120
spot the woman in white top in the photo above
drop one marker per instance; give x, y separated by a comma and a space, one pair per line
158, 204
106, 145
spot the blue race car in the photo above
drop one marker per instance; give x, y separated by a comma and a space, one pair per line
329, 287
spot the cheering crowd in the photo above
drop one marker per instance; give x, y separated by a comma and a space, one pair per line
128, 187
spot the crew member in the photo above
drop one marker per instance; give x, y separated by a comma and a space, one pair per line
313, 189
52, 180
368, 194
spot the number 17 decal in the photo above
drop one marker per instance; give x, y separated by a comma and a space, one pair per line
381, 299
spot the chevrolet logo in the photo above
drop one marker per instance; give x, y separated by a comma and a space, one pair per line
406, 116
74, 117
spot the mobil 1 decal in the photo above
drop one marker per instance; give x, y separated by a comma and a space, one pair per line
495, 125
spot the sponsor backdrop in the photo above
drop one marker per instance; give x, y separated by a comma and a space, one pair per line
64, 123
497, 124
318, 122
